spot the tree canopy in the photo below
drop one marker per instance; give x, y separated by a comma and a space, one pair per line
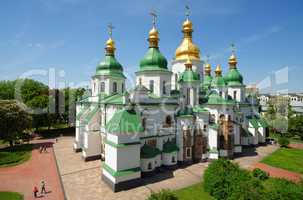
14, 120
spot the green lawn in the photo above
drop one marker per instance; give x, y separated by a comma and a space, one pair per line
286, 158
194, 192
10, 196
11, 156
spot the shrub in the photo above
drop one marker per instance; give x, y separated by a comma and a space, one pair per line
163, 195
225, 180
283, 189
260, 174
283, 142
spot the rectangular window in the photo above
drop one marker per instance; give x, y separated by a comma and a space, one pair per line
164, 87
187, 96
151, 85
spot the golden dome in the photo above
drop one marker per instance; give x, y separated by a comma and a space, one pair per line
187, 49
110, 46
188, 64
207, 69
218, 70
232, 60
153, 37
187, 25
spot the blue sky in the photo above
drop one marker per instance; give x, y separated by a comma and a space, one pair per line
68, 36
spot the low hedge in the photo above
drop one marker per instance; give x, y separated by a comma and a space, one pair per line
224, 180
163, 195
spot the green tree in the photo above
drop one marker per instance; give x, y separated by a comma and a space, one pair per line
14, 120
7, 90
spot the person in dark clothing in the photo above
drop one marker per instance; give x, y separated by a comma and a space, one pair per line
43, 190
35, 191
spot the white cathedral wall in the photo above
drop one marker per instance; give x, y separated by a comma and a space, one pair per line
92, 144
168, 157
124, 160
177, 67
213, 139
262, 134
240, 94
158, 78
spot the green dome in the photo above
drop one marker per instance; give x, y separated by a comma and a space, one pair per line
189, 76
153, 60
233, 77
215, 98
207, 80
109, 62
110, 67
218, 81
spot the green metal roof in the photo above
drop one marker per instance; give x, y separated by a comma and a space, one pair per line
153, 60
88, 117
124, 121
109, 63
207, 80
113, 99
234, 78
187, 111
189, 76
198, 109
254, 122
169, 147
82, 111
110, 72
218, 81
215, 98
148, 151
263, 123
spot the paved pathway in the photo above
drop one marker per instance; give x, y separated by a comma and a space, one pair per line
296, 145
24, 177
252, 156
278, 172
82, 180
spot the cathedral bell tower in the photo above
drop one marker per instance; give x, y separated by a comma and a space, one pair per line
186, 50
109, 78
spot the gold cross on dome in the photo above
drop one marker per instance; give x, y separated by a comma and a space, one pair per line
233, 48
110, 29
154, 16
207, 58
187, 12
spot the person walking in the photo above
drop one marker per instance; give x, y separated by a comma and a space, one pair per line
43, 190
35, 191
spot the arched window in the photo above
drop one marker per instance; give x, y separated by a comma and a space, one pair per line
188, 153
220, 93
122, 87
114, 87
151, 85
94, 86
140, 81
173, 159
102, 86
149, 166
168, 121
235, 94
176, 81
164, 87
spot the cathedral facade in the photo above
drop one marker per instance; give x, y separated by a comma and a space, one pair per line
174, 115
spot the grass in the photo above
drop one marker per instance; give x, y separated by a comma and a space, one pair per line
286, 158
11, 196
194, 192
11, 156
